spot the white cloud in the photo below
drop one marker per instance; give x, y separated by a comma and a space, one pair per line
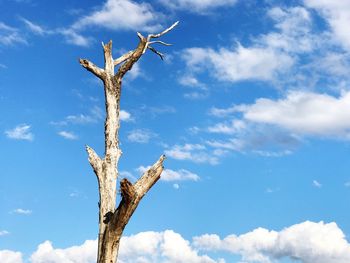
197, 6
86, 253
135, 72
125, 116
191, 152
337, 14
121, 15
241, 63
275, 57
71, 36
93, 116
4, 232
303, 113
74, 38
176, 186
180, 175
140, 135
8, 256
316, 184
232, 127
35, 28
68, 135
294, 31
145, 247
10, 35
171, 175
22, 211
20, 132
308, 242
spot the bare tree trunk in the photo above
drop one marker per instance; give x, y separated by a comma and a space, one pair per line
113, 219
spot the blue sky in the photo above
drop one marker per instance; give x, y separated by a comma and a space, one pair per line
251, 107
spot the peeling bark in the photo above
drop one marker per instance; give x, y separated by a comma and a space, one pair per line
112, 218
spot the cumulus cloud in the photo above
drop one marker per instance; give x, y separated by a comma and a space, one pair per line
269, 57
85, 253
275, 127
145, 247
240, 63
112, 15
303, 113
8, 256
308, 242
192, 152
20, 132
121, 15
197, 6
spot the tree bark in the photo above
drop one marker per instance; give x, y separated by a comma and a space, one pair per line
112, 218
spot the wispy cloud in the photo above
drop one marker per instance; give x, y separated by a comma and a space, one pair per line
197, 6
93, 116
20, 132
4, 232
10, 36
316, 183
22, 211
68, 135
169, 175
193, 152
140, 135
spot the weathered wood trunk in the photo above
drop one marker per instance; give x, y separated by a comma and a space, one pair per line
113, 219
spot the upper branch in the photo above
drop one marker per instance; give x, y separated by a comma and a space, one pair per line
123, 58
150, 177
98, 72
132, 57
163, 32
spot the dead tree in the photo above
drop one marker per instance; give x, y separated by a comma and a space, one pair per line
113, 219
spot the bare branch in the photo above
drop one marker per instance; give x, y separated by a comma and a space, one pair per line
94, 160
159, 42
157, 52
149, 178
98, 72
123, 58
164, 32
